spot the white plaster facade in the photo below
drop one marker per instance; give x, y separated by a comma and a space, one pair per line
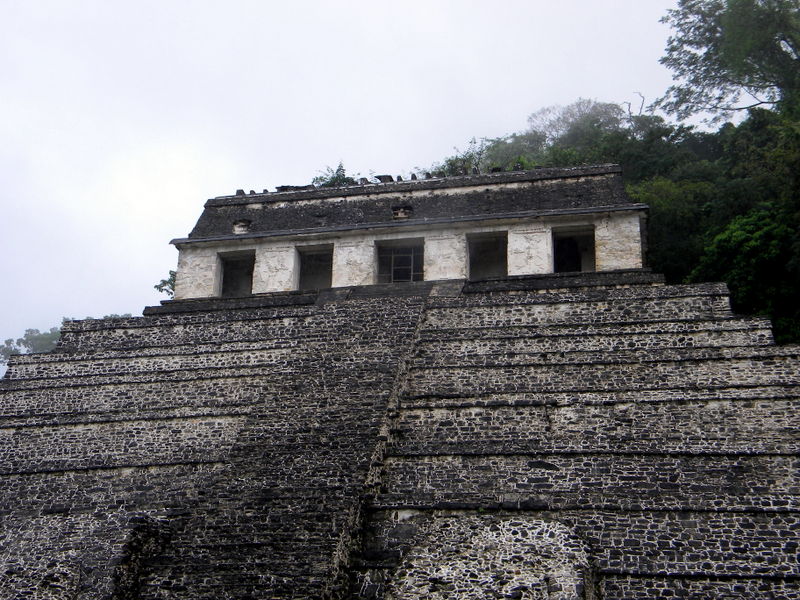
617, 239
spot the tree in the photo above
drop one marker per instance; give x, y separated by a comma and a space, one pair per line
731, 55
676, 223
167, 286
462, 162
752, 256
333, 178
518, 149
584, 132
556, 136
33, 341
580, 124
565, 124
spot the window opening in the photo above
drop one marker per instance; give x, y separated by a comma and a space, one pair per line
237, 274
241, 226
573, 250
316, 267
402, 212
401, 262
488, 255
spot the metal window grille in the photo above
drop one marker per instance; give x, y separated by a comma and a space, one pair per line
400, 263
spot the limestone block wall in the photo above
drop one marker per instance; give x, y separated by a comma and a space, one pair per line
595, 436
647, 426
530, 249
353, 263
516, 557
618, 242
618, 246
199, 453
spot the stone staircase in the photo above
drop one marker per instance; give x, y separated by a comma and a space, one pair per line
202, 451
653, 425
571, 436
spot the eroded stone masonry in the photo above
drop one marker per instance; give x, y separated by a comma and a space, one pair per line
328, 410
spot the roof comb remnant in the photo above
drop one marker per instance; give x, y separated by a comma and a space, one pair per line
295, 188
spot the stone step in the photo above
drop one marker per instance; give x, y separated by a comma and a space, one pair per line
579, 398
278, 300
470, 357
759, 370
623, 278
248, 548
726, 543
578, 295
683, 327
182, 339
594, 480
315, 356
661, 585
238, 583
201, 327
356, 316
631, 543
123, 415
115, 444
684, 426
590, 312
155, 351
570, 339
310, 356
336, 375
43, 405
148, 489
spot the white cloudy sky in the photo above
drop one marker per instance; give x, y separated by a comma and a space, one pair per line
118, 119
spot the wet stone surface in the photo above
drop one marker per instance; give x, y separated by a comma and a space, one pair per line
614, 438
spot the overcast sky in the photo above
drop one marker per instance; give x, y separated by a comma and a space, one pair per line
119, 119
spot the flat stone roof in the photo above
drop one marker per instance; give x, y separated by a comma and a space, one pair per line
423, 201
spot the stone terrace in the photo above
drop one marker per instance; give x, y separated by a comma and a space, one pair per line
646, 427
564, 436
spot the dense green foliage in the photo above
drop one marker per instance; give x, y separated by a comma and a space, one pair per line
38, 341
728, 55
724, 205
167, 286
333, 177
33, 341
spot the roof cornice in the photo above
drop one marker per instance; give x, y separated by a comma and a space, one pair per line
539, 174
412, 224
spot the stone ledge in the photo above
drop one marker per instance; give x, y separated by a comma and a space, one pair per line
744, 393
500, 359
565, 280
210, 304
117, 467
420, 184
616, 329
537, 334
174, 413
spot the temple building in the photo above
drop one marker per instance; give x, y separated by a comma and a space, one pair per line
471, 227
450, 388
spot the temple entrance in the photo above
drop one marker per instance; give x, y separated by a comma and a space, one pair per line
573, 250
316, 267
488, 255
400, 261
237, 274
